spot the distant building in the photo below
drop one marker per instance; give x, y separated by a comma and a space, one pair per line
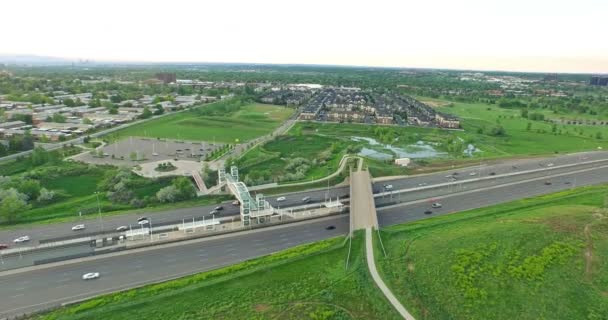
166, 77
599, 81
404, 162
551, 77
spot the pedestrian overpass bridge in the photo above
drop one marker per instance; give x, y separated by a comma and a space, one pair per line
251, 208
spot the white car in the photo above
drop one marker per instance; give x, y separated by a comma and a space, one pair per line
280, 199
550, 165
78, 227
22, 239
122, 228
143, 222
436, 205
422, 184
388, 186
473, 173
90, 276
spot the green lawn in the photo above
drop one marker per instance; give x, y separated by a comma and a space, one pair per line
539, 258
540, 139
305, 282
251, 121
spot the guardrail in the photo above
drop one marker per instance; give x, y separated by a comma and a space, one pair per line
490, 177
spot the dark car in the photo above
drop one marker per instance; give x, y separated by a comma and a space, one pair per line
547, 183
218, 208
492, 173
428, 212
142, 219
3, 246
330, 228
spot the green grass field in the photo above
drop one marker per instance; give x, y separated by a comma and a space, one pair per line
539, 258
540, 139
251, 121
305, 282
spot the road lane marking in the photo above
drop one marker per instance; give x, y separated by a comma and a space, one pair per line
18, 295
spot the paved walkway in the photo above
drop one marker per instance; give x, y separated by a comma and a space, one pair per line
362, 205
371, 265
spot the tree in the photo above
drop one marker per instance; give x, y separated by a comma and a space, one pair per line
28, 141
524, 113
146, 113
185, 188
69, 102
45, 195
159, 110
58, 117
498, 131
3, 150
529, 126
29, 187
40, 156
12, 203
87, 121
598, 135
113, 110
168, 194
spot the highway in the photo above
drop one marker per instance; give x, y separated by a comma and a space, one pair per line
49, 232
26, 291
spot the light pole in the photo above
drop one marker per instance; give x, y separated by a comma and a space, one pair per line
99, 211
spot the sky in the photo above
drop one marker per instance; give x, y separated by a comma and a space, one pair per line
515, 35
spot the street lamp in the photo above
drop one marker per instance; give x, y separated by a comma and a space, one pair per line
99, 211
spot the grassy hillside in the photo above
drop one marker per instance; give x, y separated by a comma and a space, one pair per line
540, 258
306, 282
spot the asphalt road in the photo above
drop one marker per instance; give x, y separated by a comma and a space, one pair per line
93, 225
34, 290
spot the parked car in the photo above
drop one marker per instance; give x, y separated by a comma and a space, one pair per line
281, 199
90, 276
436, 205
78, 227
122, 228
22, 239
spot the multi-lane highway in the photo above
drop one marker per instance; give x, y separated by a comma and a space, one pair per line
29, 290
94, 225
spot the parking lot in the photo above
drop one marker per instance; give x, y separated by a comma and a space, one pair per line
146, 150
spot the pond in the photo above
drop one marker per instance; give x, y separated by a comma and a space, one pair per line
381, 151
